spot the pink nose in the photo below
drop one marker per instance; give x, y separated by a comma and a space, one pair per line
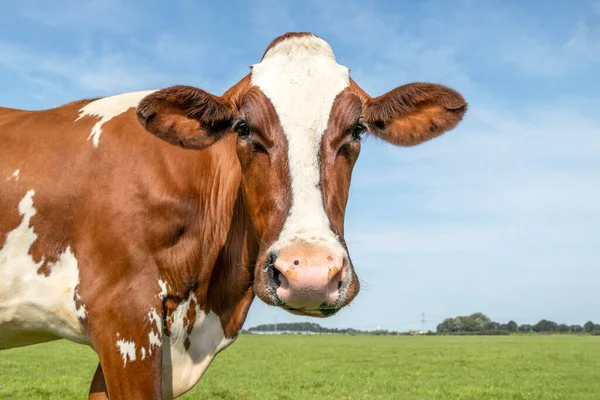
308, 276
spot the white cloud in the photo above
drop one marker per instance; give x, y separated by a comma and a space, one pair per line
89, 71
86, 16
66, 76
584, 43
431, 42
101, 73
541, 56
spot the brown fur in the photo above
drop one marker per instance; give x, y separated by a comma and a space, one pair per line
414, 113
132, 210
185, 116
339, 153
267, 210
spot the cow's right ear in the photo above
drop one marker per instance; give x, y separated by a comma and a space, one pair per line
186, 116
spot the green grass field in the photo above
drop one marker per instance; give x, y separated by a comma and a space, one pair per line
345, 367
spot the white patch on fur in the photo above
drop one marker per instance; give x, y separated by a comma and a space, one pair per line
109, 107
302, 79
80, 310
15, 175
182, 368
127, 350
154, 336
35, 307
163, 289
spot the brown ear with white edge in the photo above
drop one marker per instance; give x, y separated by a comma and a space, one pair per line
186, 116
414, 113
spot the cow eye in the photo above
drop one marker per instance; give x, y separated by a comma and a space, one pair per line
358, 130
242, 129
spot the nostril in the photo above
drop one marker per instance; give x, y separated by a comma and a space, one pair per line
270, 269
276, 275
338, 279
335, 287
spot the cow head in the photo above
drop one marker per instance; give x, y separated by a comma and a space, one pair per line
299, 119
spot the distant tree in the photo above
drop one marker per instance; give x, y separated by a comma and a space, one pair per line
588, 327
457, 325
563, 328
596, 328
575, 328
445, 326
545, 326
512, 326
493, 326
525, 328
480, 321
476, 322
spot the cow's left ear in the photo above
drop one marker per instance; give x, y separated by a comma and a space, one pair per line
414, 113
186, 116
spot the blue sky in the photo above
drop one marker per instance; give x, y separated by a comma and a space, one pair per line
501, 215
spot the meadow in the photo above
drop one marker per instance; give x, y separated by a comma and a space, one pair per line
346, 367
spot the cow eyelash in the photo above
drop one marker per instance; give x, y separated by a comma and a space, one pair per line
259, 148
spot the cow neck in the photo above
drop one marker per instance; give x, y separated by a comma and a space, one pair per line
220, 272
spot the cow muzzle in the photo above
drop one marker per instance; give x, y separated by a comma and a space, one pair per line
308, 279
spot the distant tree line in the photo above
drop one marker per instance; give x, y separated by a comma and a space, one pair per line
300, 327
306, 327
316, 328
479, 323
474, 324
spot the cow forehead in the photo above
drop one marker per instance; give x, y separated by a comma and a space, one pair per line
301, 77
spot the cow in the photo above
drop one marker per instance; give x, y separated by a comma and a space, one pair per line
144, 224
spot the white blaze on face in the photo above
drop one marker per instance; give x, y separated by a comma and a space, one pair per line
302, 79
35, 307
109, 107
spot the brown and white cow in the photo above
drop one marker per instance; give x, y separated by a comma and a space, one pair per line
143, 224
